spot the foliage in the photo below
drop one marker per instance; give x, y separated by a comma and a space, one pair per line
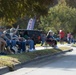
13, 10
71, 3
59, 17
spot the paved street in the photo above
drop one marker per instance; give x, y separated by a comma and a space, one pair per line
62, 65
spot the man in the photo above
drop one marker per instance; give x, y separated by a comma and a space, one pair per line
61, 35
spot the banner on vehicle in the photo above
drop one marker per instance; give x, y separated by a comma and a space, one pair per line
31, 23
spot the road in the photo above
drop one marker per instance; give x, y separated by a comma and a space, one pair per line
61, 65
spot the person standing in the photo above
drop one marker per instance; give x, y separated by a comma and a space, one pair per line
61, 36
43, 38
72, 39
69, 37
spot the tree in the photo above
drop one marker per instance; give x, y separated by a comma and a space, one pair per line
71, 3
13, 10
59, 17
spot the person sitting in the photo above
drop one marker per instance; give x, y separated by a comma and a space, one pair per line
4, 42
15, 40
20, 40
2, 45
29, 41
50, 39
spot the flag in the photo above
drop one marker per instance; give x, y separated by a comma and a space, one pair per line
31, 23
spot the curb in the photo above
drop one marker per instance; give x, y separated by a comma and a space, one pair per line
17, 66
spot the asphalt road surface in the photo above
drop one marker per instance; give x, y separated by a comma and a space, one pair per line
64, 64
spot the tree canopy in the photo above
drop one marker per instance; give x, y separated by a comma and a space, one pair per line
59, 17
12, 10
71, 3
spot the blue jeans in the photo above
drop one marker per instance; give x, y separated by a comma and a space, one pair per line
69, 40
72, 41
22, 45
8, 43
42, 41
31, 44
13, 43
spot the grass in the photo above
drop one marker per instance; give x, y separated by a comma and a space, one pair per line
7, 61
73, 45
10, 60
38, 45
64, 48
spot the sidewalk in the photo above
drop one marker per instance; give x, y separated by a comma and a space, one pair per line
48, 47
6, 69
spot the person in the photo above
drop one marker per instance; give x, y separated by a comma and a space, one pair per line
61, 36
20, 40
29, 41
14, 38
43, 38
50, 39
17, 40
56, 37
72, 39
69, 37
4, 42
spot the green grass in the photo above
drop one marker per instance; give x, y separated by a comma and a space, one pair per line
73, 45
10, 60
37, 45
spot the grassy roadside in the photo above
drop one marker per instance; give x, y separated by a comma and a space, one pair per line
73, 45
10, 60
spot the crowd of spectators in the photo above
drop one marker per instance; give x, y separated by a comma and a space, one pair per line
13, 43
61, 36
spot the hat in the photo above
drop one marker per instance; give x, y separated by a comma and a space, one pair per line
12, 29
60, 30
4, 32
